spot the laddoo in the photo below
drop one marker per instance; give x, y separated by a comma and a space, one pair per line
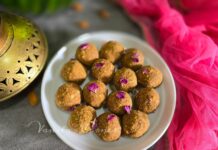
112, 51
68, 95
149, 76
87, 53
81, 119
135, 123
74, 71
125, 79
103, 70
132, 58
108, 127
117, 101
95, 93
147, 100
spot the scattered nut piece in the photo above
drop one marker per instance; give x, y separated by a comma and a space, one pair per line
104, 14
84, 24
32, 98
78, 7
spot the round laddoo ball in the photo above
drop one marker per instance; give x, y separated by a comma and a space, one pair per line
135, 124
111, 51
108, 127
81, 119
74, 71
87, 53
103, 70
149, 76
117, 102
147, 100
68, 95
132, 58
95, 93
125, 79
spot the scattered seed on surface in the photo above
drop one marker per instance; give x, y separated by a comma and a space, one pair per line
78, 7
104, 14
33, 98
83, 24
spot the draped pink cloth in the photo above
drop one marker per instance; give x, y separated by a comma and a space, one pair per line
187, 39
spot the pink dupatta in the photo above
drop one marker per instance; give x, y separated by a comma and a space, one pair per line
188, 43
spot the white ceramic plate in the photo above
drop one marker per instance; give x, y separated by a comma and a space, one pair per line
57, 118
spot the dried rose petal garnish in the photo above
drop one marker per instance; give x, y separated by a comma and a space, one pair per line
120, 94
123, 81
145, 71
127, 109
93, 87
94, 124
110, 117
135, 57
99, 65
72, 108
84, 46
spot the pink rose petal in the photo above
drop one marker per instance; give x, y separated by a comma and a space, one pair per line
93, 87
127, 109
84, 46
120, 94
110, 117
72, 108
145, 71
135, 57
123, 81
94, 125
99, 65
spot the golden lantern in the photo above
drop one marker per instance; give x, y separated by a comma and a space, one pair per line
23, 53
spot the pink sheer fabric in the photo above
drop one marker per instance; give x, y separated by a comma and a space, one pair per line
188, 43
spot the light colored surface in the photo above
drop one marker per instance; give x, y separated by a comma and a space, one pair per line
57, 119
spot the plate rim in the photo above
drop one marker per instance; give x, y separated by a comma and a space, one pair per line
108, 32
